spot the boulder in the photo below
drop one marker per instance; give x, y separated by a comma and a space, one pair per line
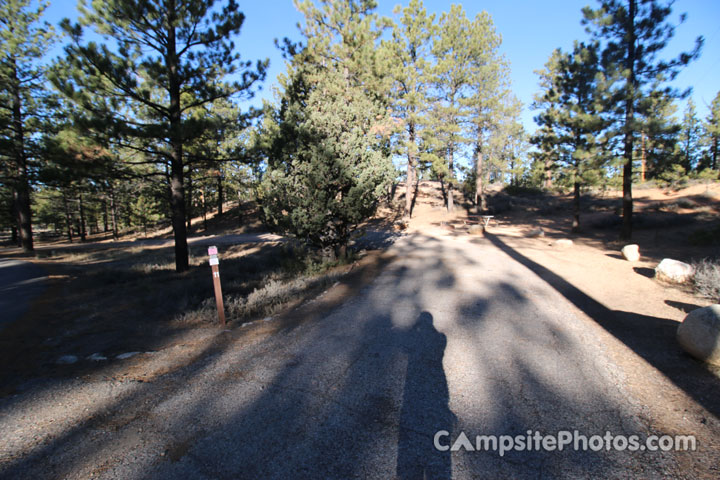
674, 271
631, 253
564, 243
538, 232
699, 334
476, 230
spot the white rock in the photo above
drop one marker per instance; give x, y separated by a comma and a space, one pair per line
631, 253
674, 271
67, 360
123, 356
96, 357
564, 243
699, 334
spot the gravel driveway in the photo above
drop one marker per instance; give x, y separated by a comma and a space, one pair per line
453, 336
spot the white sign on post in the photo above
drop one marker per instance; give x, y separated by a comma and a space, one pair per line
214, 260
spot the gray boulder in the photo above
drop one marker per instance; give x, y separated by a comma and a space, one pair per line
674, 271
699, 334
631, 253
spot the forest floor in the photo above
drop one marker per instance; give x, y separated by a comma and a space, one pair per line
108, 300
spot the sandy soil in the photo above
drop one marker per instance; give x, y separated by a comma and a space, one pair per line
634, 315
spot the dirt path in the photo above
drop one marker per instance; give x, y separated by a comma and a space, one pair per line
458, 334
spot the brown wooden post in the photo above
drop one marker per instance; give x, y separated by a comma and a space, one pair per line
214, 265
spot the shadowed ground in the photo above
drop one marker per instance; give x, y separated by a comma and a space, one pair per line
455, 335
20, 282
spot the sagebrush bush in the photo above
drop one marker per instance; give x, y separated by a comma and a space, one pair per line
707, 279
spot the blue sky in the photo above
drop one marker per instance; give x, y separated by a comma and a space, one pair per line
530, 29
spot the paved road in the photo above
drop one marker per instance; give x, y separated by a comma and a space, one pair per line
454, 336
20, 282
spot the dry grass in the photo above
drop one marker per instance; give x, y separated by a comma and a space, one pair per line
707, 279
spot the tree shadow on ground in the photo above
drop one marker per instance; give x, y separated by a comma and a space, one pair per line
652, 338
358, 391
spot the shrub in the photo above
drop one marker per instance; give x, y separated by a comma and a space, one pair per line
707, 279
674, 178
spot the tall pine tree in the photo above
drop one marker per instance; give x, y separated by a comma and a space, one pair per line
171, 56
410, 48
633, 33
711, 135
24, 40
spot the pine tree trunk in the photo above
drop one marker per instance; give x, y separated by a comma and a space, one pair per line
14, 238
714, 153
106, 223
21, 187
81, 225
240, 216
480, 201
204, 208
410, 171
450, 198
220, 197
626, 232
68, 218
113, 214
576, 207
177, 193
189, 198
643, 164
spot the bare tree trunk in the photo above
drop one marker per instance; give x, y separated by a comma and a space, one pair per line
21, 187
240, 216
219, 198
480, 200
177, 192
450, 197
189, 198
81, 225
68, 218
113, 213
576, 207
626, 232
643, 164
105, 216
410, 172
204, 208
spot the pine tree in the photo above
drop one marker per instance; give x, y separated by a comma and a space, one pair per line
572, 95
633, 32
24, 40
711, 135
171, 58
690, 137
410, 48
489, 101
453, 51
658, 143
327, 168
